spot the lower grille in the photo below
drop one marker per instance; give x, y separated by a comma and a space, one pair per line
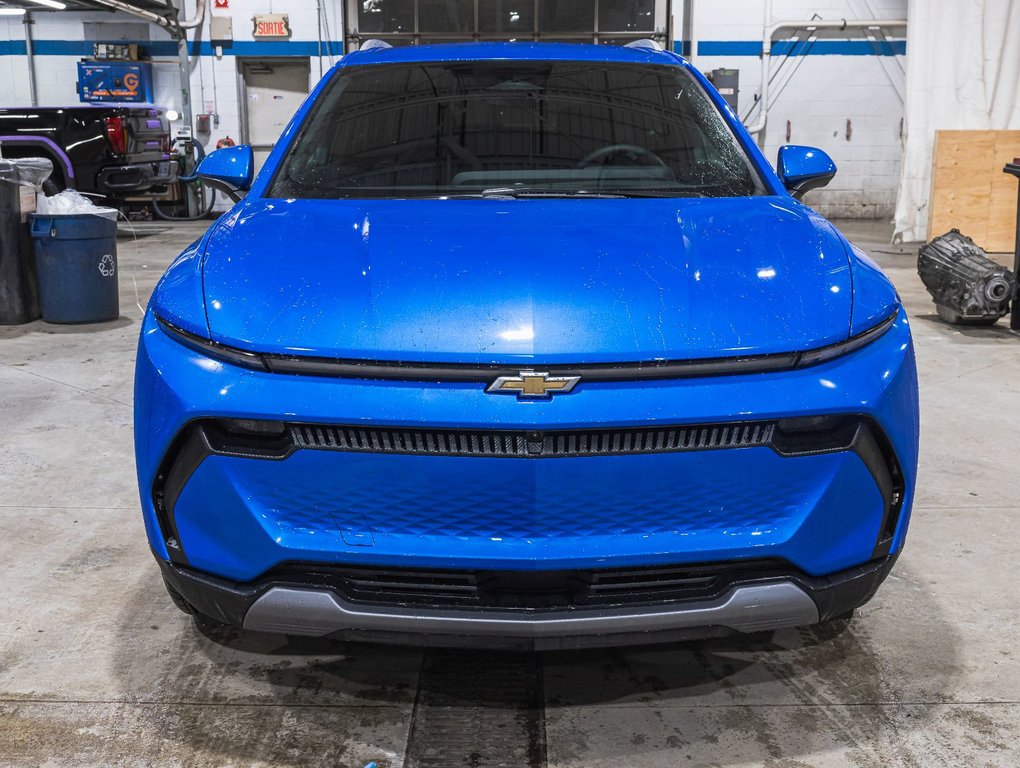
527, 590
524, 444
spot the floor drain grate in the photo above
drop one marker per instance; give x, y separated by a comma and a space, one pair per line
478, 710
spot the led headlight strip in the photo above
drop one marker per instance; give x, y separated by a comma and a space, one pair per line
824, 354
213, 349
404, 371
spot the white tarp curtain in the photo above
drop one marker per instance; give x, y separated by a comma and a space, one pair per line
963, 72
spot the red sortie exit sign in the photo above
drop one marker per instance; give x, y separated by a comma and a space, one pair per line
270, 26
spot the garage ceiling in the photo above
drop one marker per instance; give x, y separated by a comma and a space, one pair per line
159, 7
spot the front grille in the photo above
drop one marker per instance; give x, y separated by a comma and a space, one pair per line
525, 444
528, 590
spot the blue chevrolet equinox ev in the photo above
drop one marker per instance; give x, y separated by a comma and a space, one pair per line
523, 344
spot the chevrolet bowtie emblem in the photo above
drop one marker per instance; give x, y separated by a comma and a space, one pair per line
532, 384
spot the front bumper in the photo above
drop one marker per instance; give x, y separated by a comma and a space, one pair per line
774, 598
236, 517
239, 516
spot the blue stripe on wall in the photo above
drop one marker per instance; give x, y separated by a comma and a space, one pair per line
795, 47
62, 48
166, 48
12, 47
271, 48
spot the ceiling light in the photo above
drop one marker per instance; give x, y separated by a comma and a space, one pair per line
12, 11
50, 4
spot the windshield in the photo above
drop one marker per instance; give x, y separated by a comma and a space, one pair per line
514, 128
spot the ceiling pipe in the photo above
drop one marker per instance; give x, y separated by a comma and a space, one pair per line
155, 18
766, 61
197, 19
30, 56
690, 16
814, 25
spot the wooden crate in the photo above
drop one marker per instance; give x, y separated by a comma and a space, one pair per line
969, 191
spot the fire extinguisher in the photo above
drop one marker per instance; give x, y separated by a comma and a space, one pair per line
226, 141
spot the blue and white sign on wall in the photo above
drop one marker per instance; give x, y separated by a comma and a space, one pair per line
129, 81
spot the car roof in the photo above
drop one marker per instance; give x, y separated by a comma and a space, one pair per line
511, 51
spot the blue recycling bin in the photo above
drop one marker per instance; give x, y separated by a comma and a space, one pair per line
76, 256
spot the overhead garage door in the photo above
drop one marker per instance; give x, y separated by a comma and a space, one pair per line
414, 22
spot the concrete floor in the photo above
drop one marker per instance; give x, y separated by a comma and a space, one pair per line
98, 668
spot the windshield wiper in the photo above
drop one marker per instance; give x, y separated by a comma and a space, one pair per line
508, 193
659, 193
513, 193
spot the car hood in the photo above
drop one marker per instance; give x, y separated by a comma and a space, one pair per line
526, 280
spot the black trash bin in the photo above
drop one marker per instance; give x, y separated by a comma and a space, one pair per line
19, 285
76, 255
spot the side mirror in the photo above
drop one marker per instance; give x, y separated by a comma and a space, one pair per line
802, 169
230, 169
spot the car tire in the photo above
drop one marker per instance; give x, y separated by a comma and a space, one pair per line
203, 622
207, 624
55, 184
178, 599
832, 627
51, 188
843, 618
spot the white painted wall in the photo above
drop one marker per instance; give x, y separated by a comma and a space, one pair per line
824, 92
56, 75
13, 69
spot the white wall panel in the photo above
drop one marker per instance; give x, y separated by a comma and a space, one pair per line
824, 91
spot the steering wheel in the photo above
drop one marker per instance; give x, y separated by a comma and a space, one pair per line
638, 156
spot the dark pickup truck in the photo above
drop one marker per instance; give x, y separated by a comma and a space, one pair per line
114, 150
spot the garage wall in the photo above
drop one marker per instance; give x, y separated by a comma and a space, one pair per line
830, 82
60, 43
13, 68
216, 88
835, 81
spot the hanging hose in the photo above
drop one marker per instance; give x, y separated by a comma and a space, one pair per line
204, 207
199, 157
204, 210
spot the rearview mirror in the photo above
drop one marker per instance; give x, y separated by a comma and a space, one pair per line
802, 169
229, 169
